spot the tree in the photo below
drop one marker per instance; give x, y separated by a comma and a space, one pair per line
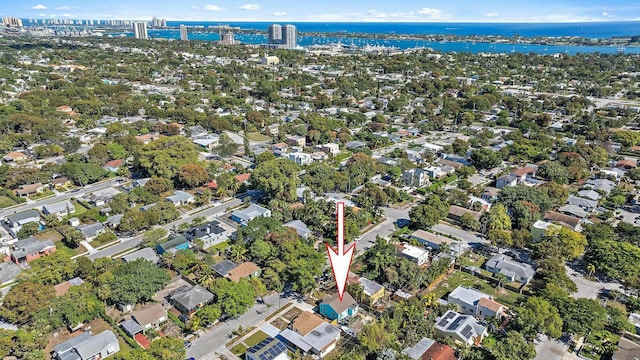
469, 222
165, 156
52, 269
553, 171
484, 158
154, 236
279, 178
424, 216
498, 225
137, 281
24, 300
192, 175
565, 242
537, 315
167, 348
227, 147
28, 230
514, 346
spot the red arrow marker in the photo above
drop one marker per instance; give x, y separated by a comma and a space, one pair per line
340, 260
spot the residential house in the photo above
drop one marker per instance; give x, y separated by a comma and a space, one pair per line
180, 198
174, 243
355, 144
306, 322
61, 182
573, 210
87, 347
586, 204
371, 290
300, 228
113, 165
590, 194
210, 234
113, 221
243, 178
541, 228
147, 138
101, 197
413, 253
430, 240
150, 316
435, 172
279, 147
16, 221
488, 308
296, 140
30, 189
189, 299
513, 270
454, 164
243, 216
603, 185
75, 222
456, 212
207, 142
628, 349
334, 309
91, 231
430, 350
15, 157
626, 164
523, 173
506, 180
415, 177
322, 340
145, 253
29, 249
63, 287
196, 131
301, 158
224, 267
329, 148
244, 270
490, 194
140, 182
60, 209
567, 221
461, 328
267, 349
467, 299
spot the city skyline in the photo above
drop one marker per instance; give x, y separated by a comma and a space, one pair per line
331, 11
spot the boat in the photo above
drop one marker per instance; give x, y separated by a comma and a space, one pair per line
621, 49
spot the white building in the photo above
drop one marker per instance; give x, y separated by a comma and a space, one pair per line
140, 30
414, 253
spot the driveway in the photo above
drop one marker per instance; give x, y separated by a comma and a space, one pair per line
212, 343
549, 349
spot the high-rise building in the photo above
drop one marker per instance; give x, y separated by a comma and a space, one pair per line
184, 34
275, 34
227, 38
12, 21
289, 36
140, 30
157, 23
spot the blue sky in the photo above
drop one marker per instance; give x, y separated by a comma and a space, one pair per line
330, 10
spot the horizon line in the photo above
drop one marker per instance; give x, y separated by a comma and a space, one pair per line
580, 21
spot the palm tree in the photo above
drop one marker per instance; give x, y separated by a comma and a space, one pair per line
591, 268
196, 324
235, 185
238, 253
502, 279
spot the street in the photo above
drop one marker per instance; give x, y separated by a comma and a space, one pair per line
212, 343
587, 288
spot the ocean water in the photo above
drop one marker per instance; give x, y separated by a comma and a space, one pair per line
587, 30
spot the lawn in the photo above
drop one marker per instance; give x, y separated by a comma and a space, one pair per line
41, 195
6, 201
256, 136
239, 349
255, 338
218, 247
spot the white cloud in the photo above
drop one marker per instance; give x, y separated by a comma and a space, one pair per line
279, 13
212, 8
430, 12
60, 8
42, 15
494, 14
250, 7
39, 7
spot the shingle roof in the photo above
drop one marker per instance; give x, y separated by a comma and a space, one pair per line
192, 297
300, 227
23, 216
90, 229
224, 267
508, 266
148, 314
306, 322
336, 304
243, 270
415, 352
146, 253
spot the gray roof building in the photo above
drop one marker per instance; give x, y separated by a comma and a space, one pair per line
131, 327
91, 230
192, 298
515, 271
370, 287
60, 208
224, 267
322, 337
253, 211
466, 298
29, 248
86, 347
22, 218
415, 352
602, 185
300, 227
146, 253
180, 197
463, 328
